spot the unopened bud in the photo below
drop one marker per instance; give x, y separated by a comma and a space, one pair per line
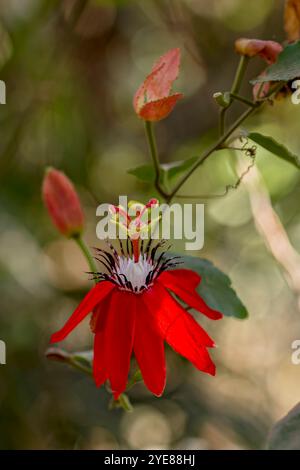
223, 99
267, 50
62, 202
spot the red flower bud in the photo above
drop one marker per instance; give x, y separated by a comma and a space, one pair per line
153, 101
63, 203
267, 50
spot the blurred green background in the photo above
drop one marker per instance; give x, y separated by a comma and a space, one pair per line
71, 69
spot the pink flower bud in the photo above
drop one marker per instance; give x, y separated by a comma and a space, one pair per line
63, 203
267, 50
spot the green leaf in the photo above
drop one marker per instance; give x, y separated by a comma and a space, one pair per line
169, 171
144, 173
274, 147
285, 435
215, 288
287, 66
176, 168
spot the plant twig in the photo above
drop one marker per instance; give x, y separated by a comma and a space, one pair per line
236, 85
240, 72
243, 100
222, 121
228, 187
155, 158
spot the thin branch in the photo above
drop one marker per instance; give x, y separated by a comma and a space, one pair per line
243, 100
228, 187
222, 115
155, 158
236, 85
217, 145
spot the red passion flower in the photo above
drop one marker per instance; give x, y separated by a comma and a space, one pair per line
134, 310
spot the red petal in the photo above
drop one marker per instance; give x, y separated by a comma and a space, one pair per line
93, 297
186, 278
180, 329
99, 362
160, 299
183, 283
159, 109
149, 350
119, 339
158, 83
99, 369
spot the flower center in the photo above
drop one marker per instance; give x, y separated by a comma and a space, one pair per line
136, 273
129, 273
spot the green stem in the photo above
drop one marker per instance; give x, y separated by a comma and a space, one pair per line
239, 75
153, 148
82, 245
155, 158
243, 100
236, 85
222, 121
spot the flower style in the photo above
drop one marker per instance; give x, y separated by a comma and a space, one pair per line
62, 203
134, 309
153, 101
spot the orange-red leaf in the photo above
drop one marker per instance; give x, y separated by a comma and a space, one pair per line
159, 109
153, 96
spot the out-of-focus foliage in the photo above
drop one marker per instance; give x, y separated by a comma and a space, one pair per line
70, 77
285, 434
